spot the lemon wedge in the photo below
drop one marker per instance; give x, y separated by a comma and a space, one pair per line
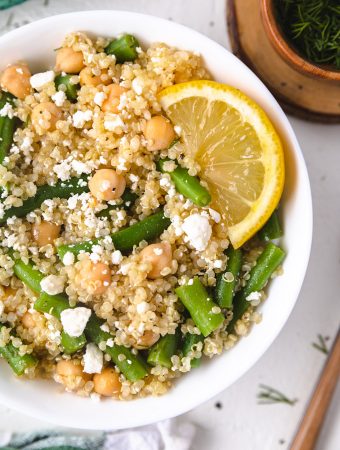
239, 152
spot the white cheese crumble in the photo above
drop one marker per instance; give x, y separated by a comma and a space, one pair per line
116, 257
114, 124
52, 284
59, 98
74, 320
81, 117
137, 86
198, 231
216, 216
7, 110
99, 98
254, 296
142, 307
68, 259
218, 263
93, 359
40, 79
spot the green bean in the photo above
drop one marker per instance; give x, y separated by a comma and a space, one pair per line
131, 366
186, 184
70, 89
63, 189
269, 260
28, 274
124, 48
197, 301
72, 344
272, 228
51, 304
7, 126
188, 342
128, 199
18, 363
224, 291
161, 352
124, 240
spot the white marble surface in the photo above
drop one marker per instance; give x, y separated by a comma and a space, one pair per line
291, 364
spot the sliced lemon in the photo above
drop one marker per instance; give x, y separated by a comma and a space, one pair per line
238, 150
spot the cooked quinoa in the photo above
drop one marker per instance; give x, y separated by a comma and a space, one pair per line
79, 138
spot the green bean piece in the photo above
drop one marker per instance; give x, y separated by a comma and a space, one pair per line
18, 363
72, 344
124, 240
52, 304
225, 287
70, 89
63, 189
272, 229
131, 366
189, 341
187, 185
28, 275
160, 353
200, 306
124, 48
269, 260
128, 199
7, 126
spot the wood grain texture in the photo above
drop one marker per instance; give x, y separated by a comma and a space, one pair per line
308, 432
299, 94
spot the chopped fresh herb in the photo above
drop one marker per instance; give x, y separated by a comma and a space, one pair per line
313, 28
321, 345
269, 395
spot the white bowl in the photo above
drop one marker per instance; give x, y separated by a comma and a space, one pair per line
34, 43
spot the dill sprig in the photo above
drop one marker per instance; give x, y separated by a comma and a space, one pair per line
269, 395
321, 345
313, 27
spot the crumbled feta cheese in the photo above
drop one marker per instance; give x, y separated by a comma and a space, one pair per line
99, 98
142, 307
105, 328
113, 124
216, 216
59, 98
254, 296
62, 170
7, 110
81, 117
110, 342
116, 257
218, 263
74, 320
93, 359
40, 79
137, 86
80, 167
68, 259
198, 231
52, 284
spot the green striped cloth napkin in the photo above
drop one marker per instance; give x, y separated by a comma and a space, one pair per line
8, 3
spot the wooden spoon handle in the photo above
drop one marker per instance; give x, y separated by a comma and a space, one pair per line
307, 434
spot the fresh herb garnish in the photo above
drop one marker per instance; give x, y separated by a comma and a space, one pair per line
269, 395
321, 344
313, 27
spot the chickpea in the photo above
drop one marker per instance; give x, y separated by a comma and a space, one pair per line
106, 184
71, 368
45, 116
107, 382
69, 61
45, 233
28, 320
159, 133
88, 78
160, 257
97, 276
114, 91
147, 339
16, 80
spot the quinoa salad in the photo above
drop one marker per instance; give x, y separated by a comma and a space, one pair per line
117, 272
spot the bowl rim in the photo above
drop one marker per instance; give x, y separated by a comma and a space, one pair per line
159, 409
287, 52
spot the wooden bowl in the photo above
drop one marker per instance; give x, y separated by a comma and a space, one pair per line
287, 52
